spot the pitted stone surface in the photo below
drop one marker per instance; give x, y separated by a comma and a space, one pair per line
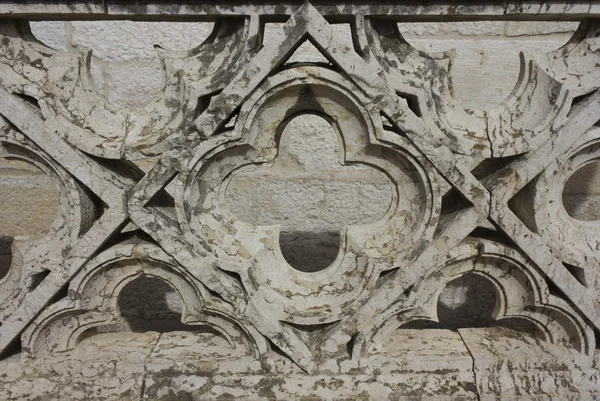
409, 187
414, 364
137, 39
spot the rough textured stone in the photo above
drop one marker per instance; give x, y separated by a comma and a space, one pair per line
412, 364
127, 40
302, 209
486, 70
51, 33
487, 28
134, 85
28, 197
463, 28
521, 28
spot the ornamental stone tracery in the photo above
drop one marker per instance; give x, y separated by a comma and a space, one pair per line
472, 192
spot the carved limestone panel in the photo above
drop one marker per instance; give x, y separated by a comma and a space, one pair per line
473, 193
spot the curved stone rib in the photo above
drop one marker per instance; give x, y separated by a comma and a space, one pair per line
538, 104
366, 251
573, 241
94, 292
35, 256
63, 85
191, 75
575, 64
108, 186
505, 184
521, 292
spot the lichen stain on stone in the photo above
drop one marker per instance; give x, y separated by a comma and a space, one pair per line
278, 332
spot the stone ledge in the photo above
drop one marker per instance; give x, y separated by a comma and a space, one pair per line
456, 10
472, 364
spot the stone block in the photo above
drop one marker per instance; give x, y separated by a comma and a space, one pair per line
486, 70
133, 85
128, 40
462, 28
323, 214
534, 28
29, 199
51, 33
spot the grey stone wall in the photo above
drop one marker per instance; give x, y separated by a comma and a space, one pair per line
306, 191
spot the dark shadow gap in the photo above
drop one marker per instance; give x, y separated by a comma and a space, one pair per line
468, 302
6, 255
309, 251
150, 304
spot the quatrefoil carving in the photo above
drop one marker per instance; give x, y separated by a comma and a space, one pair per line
366, 251
329, 193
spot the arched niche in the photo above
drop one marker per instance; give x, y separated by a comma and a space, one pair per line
93, 304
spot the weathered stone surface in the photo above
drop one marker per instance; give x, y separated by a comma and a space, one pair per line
51, 33
133, 86
485, 70
137, 39
182, 197
410, 364
514, 28
508, 365
26, 188
101, 368
451, 10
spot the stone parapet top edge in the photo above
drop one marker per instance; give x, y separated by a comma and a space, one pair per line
203, 10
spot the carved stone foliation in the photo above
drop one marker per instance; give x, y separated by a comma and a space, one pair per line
472, 194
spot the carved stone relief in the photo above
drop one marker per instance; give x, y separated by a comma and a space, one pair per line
143, 194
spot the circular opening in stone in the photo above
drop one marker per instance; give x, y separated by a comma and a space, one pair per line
581, 194
29, 199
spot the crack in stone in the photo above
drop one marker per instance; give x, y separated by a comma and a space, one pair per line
231, 276
473, 368
145, 374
